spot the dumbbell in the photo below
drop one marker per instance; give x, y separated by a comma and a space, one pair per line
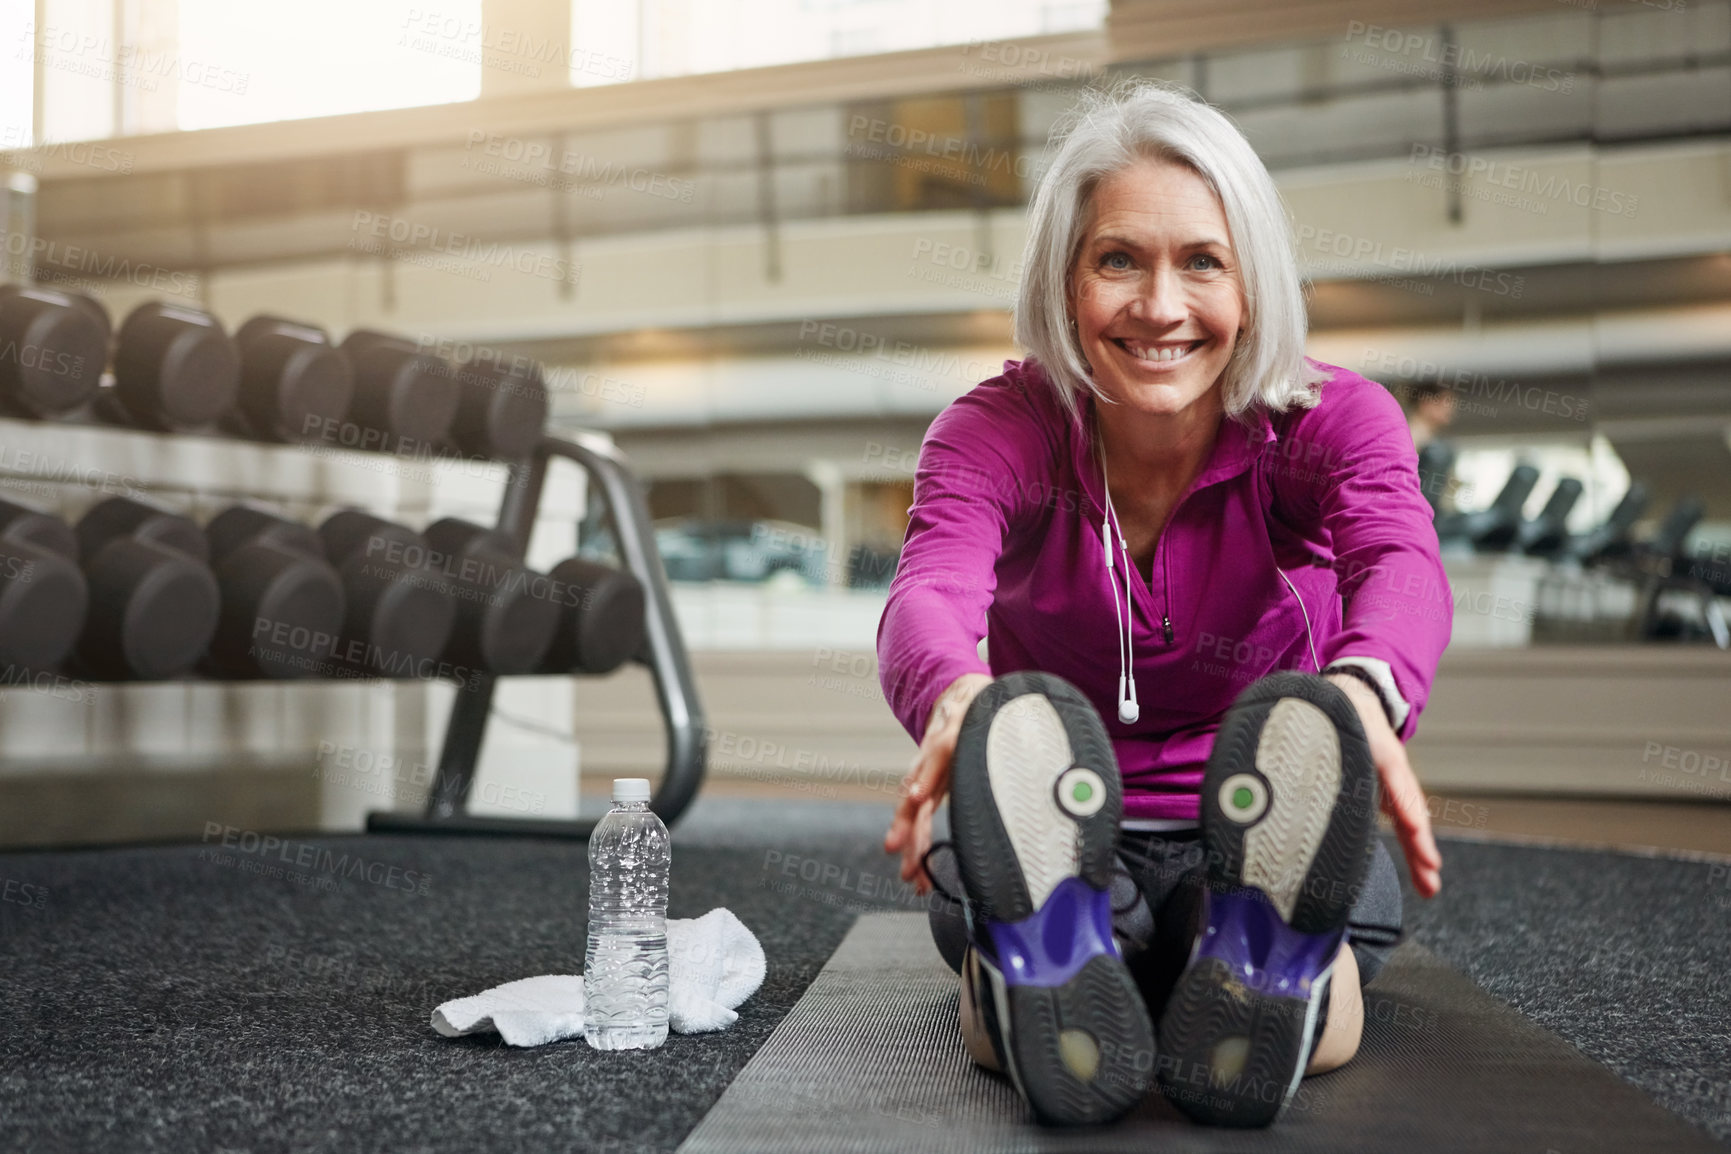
53, 348
82, 301
294, 383
601, 618
500, 409
43, 596
396, 617
153, 600
282, 602
96, 311
403, 398
175, 368
506, 614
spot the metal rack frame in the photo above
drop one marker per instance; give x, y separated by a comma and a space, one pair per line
664, 653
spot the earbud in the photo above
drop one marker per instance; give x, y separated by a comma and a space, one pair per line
1128, 711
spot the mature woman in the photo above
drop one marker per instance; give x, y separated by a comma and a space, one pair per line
1209, 590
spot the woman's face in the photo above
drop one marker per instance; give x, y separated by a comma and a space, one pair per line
1155, 289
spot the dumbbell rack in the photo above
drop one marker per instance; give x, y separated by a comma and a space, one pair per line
664, 650
675, 687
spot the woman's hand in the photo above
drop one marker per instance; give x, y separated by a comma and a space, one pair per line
1402, 798
928, 781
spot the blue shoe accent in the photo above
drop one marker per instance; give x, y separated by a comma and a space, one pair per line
1050, 947
1243, 931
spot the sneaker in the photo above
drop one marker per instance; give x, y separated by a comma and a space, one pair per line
1288, 812
1034, 808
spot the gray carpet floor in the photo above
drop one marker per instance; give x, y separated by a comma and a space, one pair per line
1625, 956
186, 998
161, 998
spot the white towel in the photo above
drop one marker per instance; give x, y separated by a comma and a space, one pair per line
713, 964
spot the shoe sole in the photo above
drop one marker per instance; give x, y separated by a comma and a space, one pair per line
1288, 811
1034, 810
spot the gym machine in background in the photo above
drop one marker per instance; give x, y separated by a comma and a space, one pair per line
1676, 592
139, 592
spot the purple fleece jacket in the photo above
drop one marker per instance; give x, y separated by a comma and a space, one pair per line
1004, 542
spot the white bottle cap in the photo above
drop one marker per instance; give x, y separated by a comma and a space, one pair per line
628, 789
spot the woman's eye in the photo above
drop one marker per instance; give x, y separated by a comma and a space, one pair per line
1204, 261
1115, 260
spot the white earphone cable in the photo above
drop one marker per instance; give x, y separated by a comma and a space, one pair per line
1309, 637
1129, 708
1117, 608
1135, 709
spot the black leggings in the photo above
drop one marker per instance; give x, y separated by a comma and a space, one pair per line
1157, 929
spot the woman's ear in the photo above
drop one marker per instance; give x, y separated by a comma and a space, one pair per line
1070, 321
1076, 339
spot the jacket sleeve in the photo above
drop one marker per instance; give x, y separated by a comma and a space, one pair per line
1350, 469
974, 466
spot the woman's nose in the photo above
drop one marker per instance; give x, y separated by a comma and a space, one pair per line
1160, 301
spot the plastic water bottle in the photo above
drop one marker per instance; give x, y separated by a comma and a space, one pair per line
625, 967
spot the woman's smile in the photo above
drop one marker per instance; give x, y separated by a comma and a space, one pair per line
1158, 355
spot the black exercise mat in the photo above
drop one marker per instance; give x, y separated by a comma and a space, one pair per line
870, 1062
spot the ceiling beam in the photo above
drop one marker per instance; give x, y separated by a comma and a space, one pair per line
1136, 30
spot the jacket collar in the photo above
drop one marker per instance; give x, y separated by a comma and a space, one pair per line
1237, 447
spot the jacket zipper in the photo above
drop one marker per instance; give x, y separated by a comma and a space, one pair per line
1160, 555
1166, 572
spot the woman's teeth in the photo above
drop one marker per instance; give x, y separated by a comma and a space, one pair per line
1161, 354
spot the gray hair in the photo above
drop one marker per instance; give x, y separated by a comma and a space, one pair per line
1107, 133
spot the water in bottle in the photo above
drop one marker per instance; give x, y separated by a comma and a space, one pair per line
625, 968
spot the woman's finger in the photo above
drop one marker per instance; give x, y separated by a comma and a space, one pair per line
910, 832
901, 824
932, 769
928, 781
1402, 797
919, 841
1404, 802
1412, 813
924, 781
